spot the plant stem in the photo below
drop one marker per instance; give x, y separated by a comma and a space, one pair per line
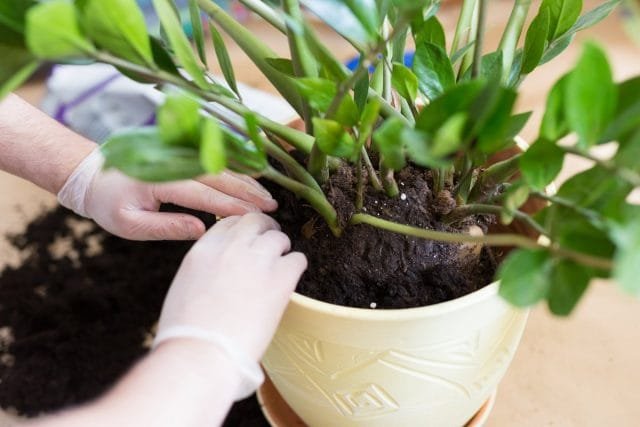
495, 174
464, 24
628, 175
593, 216
490, 240
480, 30
465, 211
359, 185
267, 13
371, 171
316, 199
294, 168
318, 165
509, 41
255, 49
389, 182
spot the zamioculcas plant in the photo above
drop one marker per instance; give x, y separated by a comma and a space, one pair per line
368, 133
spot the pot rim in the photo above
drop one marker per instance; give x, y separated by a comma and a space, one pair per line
386, 314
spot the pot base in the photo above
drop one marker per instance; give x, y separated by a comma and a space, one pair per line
279, 414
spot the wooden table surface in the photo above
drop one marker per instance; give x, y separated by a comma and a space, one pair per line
581, 371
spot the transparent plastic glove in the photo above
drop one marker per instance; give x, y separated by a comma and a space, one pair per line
129, 208
231, 291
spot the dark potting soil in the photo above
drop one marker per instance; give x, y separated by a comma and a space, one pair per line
78, 311
368, 265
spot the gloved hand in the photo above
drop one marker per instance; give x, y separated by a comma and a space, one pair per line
129, 208
232, 289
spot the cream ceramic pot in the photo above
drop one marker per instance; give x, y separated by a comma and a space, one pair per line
429, 366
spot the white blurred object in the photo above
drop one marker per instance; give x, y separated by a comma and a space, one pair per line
96, 100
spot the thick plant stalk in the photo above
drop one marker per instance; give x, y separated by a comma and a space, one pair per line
516, 240
480, 30
463, 27
255, 49
509, 41
494, 175
465, 211
316, 199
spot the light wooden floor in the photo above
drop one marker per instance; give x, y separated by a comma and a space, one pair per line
582, 371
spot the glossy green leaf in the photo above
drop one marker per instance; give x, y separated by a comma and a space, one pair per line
524, 277
179, 120
595, 188
284, 65
431, 31
535, 41
434, 70
448, 139
198, 31
53, 31
213, 156
562, 15
388, 141
224, 60
495, 125
591, 96
585, 21
405, 82
179, 42
141, 154
320, 94
627, 117
515, 196
569, 281
118, 27
541, 163
457, 99
332, 139
554, 123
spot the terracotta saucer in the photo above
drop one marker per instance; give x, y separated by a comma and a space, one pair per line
279, 414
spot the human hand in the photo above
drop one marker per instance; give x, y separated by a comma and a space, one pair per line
235, 281
129, 208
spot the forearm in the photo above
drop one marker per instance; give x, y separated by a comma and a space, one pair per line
37, 148
181, 383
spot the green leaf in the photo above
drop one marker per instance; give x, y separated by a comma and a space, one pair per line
449, 137
541, 163
361, 92
118, 26
591, 96
627, 117
458, 98
524, 277
433, 69
535, 41
457, 55
405, 82
389, 144
494, 124
53, 31
629, 153
562, 15
179, 120
141, 154
431, 31
370, 115
568, 283
418, 145
253, 130
587, 20
284, 65
320, 94
332, 139
224, 59
595, 188
15, 70
179, 42
213, 157
626, 270
353, 19
554, 123
198, 32
514, 198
